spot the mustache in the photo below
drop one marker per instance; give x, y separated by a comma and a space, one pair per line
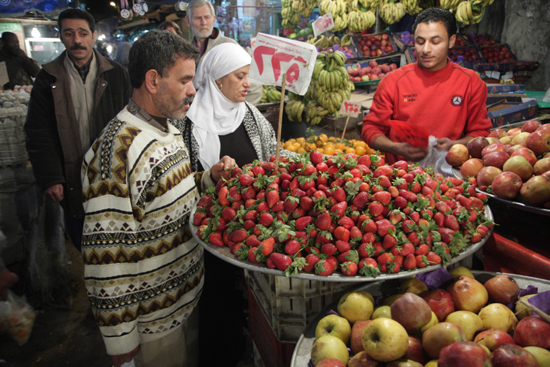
78, 47
188, 100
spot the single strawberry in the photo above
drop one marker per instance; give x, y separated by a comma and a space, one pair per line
421, 261
272, 197
306, 203
384, 226
270, 264
439, 219
239, 235
311, 261
355, 234
215, 239
240, 250
384, 181
464, 201
223, 196
383, 197
384, 258
406, 249
343, 246
389, 241
198, 218
341, 233
433, 258
248, 224
350, 255
281, 261
252, 255
323, 221
409, 262
324, 267
328, 249
361, 200
262, 207
252, 241
395, 216
451, 222
292, 247
266, 246
422, 250
349, 268
316, 157
375, 209
266, 219
228, 214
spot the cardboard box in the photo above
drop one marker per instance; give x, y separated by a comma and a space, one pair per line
506, 112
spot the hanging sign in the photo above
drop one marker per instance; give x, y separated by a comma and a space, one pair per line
323, 24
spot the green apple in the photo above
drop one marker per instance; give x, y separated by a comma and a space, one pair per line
432, 322
522, 310
542, 355
385, 340
413, 285
441, 335
432, 363
355, 306
381, 311
498, 316
468, 321
334, 325
460, 270
329, 346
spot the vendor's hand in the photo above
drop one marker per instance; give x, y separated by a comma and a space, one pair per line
410, 153
55, 192
7, 279
444, 144
216, 171
124, 358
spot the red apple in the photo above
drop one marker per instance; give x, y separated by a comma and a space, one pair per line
368, 69
531, 126
393, 66
330, 362
544, 127
502, 288
539, 141
476, 145
495, 147
507, 185
468, 294
362, 359
497, 133
411, 311
527, 154
376, 70
356, 343
532, 331
535, 191
493, 338
357, 79
511, 355
541, 166
441, 303
439, 336
463, 354
514, 131
486, 175
385, 68
495, 159
415, 351
457, 155
471, 168
520, 166
373, 64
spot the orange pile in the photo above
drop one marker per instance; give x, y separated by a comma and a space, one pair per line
327, 145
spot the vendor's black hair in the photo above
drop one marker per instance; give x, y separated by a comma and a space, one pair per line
433, 15
76, 14
157, 50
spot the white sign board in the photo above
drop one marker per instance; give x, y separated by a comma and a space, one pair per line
350, 108
4, 78
274, 56
323, 24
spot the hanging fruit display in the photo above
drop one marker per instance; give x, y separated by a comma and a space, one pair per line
392, 12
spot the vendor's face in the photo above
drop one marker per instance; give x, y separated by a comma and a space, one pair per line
11, 43
235, 85
176, 90
432, 44
202, 21
78, 39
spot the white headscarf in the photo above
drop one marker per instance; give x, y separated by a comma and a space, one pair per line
211, 112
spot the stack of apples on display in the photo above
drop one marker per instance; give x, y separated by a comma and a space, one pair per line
346, 214
373, 71
462, 323
513, 164
498, 53
468, 54
375, 45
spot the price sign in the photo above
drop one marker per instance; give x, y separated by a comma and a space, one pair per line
350, 108
252, 42
405, 132
274, 56
323, 24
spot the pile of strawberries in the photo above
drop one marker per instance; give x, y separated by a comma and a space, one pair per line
321, 214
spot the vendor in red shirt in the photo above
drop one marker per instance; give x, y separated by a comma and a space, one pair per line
442, 97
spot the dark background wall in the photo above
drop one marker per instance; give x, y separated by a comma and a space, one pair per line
525, 26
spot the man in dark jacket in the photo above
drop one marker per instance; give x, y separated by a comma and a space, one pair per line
73, 99
20, 67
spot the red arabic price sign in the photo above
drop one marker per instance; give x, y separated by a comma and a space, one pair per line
350, 108
323, 24
274, 56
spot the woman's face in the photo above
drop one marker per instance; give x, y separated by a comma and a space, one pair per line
235, 85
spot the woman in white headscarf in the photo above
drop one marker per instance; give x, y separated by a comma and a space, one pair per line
219, 121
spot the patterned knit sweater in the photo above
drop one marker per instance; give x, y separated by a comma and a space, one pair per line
143, 270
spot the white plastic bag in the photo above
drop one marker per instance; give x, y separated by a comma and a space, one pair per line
16, 317
436, 159
546, 97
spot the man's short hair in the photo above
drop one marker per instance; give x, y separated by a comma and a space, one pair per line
76, 14
157, 50
6, 37
168, 23
434, 15
197, 3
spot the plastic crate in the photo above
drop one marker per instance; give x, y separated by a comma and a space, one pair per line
289, 304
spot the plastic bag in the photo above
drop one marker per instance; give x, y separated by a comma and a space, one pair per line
546, 97
436, 159
16, 317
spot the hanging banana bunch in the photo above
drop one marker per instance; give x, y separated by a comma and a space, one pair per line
391, 12
470, 12
450, 5
411, 7
371, 4
358, 21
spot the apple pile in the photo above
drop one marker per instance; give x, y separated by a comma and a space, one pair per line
347, 213
374, 45
467, 53
372, 72
482, 39
496, 54
460, 42
452, 326
510, 164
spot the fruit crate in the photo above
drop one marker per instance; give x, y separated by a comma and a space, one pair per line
466, 56
480, 39
402, 40
462, 41
362, 42
288, 304
505, 53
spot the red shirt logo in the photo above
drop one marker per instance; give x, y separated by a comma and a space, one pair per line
456, 101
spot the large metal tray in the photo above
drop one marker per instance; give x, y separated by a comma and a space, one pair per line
302, 351
225, 254
512, 203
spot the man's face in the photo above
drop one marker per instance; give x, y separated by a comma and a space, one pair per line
11, 43
78, 39
432, 44
202, 21
176, 90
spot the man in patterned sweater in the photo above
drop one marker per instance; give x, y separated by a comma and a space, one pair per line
144, 271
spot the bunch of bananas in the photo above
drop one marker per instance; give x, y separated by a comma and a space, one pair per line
411, 7
315, 113
359, 20
290, 12
294, 110
323, 41
470, 12
371, 4
340, 22
310, 7
270, 94
336, 7
450, 5
391, 12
